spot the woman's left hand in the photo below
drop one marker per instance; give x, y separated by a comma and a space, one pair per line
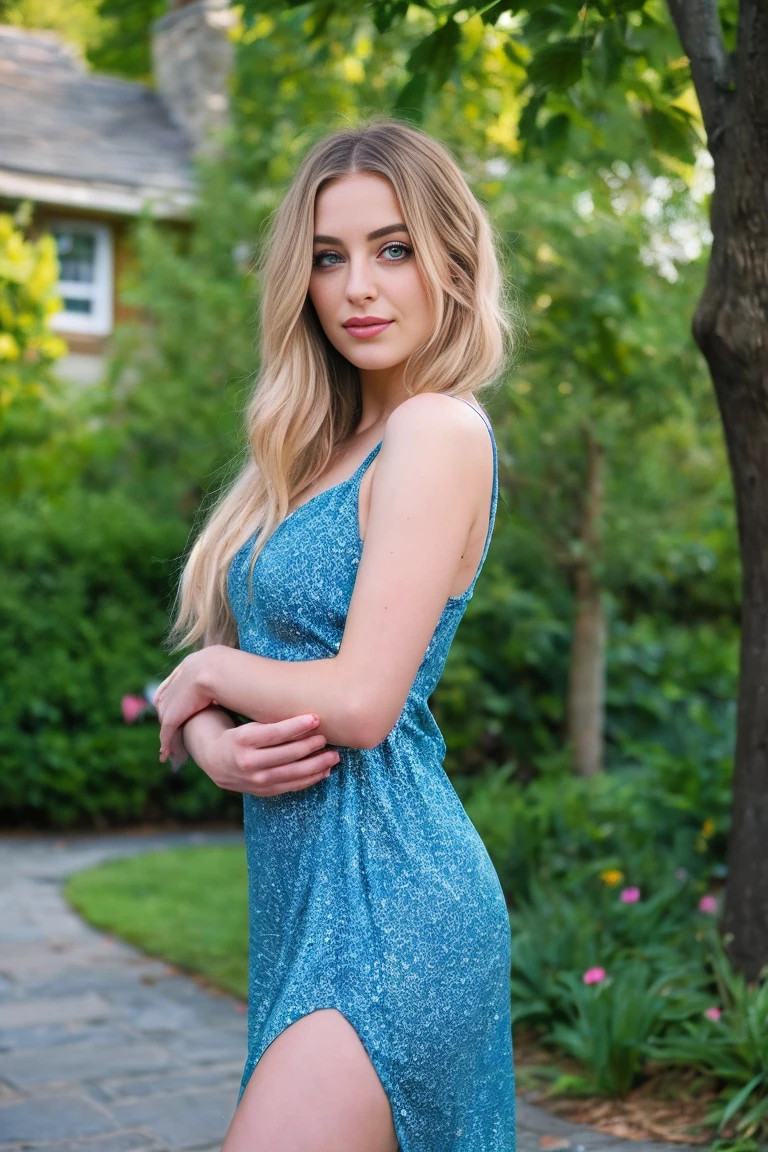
181, 695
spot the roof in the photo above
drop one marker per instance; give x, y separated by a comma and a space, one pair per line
71, 137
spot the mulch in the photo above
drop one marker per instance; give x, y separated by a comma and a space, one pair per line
669, 1105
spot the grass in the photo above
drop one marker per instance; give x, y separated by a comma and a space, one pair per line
188, 906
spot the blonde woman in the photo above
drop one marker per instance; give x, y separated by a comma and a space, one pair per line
327, 585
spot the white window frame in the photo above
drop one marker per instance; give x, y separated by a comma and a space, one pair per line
100, 321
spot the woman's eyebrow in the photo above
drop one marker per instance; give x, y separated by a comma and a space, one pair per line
379, 232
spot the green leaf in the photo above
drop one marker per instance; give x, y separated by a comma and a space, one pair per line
558, 65
740, 1098
436, 53
608, 54
411, 99
386, 12
670, 131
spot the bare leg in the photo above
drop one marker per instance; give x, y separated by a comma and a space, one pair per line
314, 1090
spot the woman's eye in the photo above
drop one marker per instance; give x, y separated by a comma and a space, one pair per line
321, 256
404, 248
402, 252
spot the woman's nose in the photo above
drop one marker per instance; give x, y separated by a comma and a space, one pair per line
360, 280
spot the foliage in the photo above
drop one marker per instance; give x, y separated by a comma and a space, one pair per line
78, 22
94, 520
178, 374
733, 1047
124, 44
28, 349
608, 79
82, 613
610, 1025
163, 433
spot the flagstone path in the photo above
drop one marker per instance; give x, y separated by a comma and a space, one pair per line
103, 1049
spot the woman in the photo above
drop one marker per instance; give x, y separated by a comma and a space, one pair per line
332, 578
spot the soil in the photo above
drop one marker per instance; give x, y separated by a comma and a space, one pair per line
669, 1106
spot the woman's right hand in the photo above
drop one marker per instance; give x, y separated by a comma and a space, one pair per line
267, 759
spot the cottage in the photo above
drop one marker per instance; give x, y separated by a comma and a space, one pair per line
91, 151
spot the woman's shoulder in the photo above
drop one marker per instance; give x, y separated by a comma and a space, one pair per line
434, 434
437, 414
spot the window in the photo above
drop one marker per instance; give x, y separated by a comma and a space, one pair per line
85, 277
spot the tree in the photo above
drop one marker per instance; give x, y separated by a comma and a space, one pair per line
583, 70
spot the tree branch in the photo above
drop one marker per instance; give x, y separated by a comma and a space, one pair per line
701, 35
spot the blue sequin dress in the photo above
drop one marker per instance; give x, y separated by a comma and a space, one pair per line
371, 892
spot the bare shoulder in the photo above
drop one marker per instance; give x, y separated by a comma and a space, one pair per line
438, 423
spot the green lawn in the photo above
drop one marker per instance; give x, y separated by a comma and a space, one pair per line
188, 906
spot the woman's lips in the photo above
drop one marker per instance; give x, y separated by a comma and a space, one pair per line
364, 331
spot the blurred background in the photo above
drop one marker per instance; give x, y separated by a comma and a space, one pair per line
589, 701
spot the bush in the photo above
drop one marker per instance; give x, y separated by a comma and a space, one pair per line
83, 608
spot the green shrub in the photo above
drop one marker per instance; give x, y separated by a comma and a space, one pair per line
83, 608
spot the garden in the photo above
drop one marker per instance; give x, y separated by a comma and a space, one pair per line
591, 700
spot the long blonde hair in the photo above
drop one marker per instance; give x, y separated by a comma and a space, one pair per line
307, 395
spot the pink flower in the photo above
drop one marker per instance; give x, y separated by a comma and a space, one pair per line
630, 895
708, 904
713, 1013
594, 975
133, 707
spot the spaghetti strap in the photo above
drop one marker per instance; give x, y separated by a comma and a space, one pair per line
482, 415
467, 593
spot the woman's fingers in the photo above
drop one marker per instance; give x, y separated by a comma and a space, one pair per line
283, 730
275, 755
309, 772
289, 777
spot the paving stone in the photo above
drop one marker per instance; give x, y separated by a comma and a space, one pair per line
22, 960
134, 1087
115, 976
51, 1118
50, 1035
134, 1141
185, 1120
24, 1014
209, 1046
538, 1128
76, 1062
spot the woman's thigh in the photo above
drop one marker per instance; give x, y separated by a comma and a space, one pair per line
314, 1090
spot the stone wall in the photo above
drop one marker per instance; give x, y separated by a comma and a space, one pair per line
192, 60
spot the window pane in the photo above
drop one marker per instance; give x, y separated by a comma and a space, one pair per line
71, 305
77, 257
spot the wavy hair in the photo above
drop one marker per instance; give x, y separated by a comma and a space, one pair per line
306, 400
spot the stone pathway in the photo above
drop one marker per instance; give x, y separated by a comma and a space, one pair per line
103, 1049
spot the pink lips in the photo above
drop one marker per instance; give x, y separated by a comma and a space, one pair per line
365, 326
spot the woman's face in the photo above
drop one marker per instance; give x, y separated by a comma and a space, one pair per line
363, 268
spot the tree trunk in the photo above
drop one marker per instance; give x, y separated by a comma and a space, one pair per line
731, 328
586, 673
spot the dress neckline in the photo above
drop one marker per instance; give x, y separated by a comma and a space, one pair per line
334, 487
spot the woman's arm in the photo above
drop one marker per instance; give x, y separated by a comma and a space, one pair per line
260, 759
433, 477
204, 727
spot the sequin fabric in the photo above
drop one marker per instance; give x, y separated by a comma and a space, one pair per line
371, 892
